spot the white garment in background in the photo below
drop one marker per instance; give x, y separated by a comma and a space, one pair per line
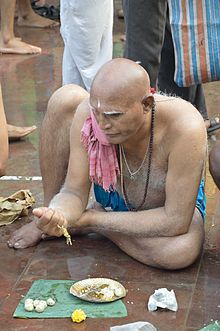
86, 29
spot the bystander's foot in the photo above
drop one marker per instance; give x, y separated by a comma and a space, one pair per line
16, 46
36, 21
19, 132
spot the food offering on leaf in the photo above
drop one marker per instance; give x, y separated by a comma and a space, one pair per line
98, 290
38, 305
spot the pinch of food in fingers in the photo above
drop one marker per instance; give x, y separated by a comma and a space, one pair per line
65, 234
61, 230
61, 227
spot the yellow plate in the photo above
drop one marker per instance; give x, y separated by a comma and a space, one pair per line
98, 290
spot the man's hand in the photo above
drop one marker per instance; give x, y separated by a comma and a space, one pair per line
48, 221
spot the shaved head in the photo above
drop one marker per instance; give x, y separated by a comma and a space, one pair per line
120, 80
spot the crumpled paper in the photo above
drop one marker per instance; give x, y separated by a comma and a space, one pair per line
15, 206
137, 326
163, 298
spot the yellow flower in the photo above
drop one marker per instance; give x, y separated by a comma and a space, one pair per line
78, 316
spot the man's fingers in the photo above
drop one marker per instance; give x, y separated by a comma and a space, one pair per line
49, 221
39, 211
46, 217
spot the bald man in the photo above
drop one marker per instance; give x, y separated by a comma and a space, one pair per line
145, 154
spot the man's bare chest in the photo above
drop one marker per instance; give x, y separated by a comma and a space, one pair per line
135, 186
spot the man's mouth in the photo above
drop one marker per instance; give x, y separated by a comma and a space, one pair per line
112, 134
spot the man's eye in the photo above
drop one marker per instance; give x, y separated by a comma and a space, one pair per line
116, 115
113, 115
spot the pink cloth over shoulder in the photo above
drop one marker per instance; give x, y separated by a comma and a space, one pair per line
103, 163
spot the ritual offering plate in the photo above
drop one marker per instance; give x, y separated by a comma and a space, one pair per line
98, 290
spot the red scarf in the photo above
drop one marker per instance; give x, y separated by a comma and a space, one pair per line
103, 162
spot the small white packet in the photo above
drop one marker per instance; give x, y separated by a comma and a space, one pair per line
163, 298
137, 326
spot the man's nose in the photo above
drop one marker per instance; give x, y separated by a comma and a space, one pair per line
104, 123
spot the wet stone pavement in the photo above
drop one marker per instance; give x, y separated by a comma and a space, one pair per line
27, 83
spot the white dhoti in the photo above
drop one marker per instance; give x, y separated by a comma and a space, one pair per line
86, 29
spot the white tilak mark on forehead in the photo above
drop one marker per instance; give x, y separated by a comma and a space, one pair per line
109, 113
113, 112
99, 104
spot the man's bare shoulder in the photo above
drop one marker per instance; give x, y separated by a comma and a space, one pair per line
180, 116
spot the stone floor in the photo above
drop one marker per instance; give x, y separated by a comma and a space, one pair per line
28, 82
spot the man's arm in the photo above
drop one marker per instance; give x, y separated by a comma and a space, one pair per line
68, 205
185, 165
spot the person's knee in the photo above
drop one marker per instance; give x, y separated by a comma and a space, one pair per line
172, 257
179, 259
180, 252
187, 258
214, 163
66, 99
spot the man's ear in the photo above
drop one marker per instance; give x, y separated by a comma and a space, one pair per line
148, 102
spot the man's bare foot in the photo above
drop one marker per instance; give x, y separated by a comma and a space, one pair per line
36, 21
16, 46
27, 236
18, 132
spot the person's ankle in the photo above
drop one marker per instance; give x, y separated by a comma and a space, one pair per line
6, 37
